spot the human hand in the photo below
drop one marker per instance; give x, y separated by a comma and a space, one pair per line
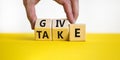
30, 10
71, 8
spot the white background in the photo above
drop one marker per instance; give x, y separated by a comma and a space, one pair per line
100, 16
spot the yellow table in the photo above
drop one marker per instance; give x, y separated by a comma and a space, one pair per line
22, 46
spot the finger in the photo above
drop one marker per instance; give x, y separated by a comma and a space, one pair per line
68, 10
37, 1
75, 8
31, 14
59, 1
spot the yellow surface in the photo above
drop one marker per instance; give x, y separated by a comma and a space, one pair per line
24, 47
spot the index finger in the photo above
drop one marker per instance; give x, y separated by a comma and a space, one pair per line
68, 10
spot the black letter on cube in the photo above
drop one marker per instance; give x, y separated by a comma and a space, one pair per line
60, 34
43, 24
61, 24
77, 34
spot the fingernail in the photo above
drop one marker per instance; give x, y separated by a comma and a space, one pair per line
73, 21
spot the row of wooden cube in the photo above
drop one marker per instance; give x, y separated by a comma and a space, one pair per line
59, 29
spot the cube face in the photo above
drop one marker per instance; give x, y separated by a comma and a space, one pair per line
60, 34
43, 34
77, 32
60, 29
43, 23
59, 23
43, 29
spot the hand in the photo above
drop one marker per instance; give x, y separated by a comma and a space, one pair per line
30, 10
71, 8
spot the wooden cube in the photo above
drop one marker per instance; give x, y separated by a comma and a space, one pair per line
43, 29
60, 29
77, 32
